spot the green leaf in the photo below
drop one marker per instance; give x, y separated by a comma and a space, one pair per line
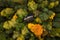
21, 14
58, 15
19, 26
50, 13
1, 27
55, 32
50, 38
56, 19
43, 16
24, 30
56, 24
44, 4
2, 36
47, 25
45, 10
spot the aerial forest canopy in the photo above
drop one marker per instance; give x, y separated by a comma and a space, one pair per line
29, 19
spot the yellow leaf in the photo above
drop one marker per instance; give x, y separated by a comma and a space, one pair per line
51, 5
52, 16
14, 17
38, 20
37, 29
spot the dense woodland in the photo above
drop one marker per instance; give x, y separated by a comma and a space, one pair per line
29, 19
